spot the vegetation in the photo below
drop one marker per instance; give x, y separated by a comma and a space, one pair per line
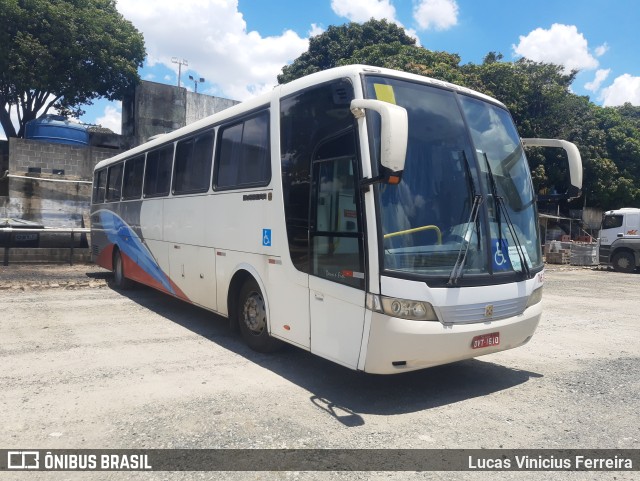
63, 54
537, 94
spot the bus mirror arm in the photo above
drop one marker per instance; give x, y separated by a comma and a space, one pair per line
394, 132
573, 157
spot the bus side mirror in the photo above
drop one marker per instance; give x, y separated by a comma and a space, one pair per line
573, 156
394, 132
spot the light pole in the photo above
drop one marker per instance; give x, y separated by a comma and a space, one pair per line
180, 64
196, 81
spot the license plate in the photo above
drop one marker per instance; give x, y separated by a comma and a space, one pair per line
486, 340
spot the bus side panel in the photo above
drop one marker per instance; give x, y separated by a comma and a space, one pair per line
191, 255
234, 223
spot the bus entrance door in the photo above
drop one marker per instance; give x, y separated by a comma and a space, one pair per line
337, 280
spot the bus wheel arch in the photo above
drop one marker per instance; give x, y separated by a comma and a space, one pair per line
623, 260
120, 280
248, 312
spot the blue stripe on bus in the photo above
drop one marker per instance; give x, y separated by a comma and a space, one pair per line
119, 233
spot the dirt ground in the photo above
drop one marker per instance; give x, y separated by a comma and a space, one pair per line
85, 366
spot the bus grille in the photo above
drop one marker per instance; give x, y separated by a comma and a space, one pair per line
482, 312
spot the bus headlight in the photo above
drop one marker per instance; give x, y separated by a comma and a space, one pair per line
535, 297
402, 308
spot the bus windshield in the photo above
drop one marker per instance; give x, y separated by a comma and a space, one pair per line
465, 208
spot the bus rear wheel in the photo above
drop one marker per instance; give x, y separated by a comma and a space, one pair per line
120, 280
623, 261
252, 319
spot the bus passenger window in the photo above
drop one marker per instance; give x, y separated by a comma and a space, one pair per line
157, 176
99, 185
243, 156
132, 185
192, 169
114, 183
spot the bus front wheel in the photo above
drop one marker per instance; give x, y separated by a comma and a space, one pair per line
120, 281
252, 319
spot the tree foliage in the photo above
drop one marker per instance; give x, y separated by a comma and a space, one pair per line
338, 43
63, 54
538, 96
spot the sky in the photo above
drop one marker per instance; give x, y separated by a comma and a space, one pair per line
240, 46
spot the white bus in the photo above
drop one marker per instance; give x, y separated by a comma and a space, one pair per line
382, 220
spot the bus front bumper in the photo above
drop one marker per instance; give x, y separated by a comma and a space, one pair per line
399, 345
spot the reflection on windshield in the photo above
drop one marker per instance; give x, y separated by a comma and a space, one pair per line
427, 222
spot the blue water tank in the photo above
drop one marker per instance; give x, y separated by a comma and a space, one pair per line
58, 129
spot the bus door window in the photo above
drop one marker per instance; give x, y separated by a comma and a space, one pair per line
307, 120
336, 232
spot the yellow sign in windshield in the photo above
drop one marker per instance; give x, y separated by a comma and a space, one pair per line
385, 93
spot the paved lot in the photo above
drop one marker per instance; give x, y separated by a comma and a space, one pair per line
85, 366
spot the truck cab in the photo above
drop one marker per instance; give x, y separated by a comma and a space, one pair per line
619, 244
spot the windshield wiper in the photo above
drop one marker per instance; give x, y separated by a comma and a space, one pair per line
501, 207
458, 267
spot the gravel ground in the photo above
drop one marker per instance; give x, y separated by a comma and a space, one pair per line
95, 368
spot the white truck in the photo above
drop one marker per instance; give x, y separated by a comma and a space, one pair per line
619, 244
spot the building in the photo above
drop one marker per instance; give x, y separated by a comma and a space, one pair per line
49, 182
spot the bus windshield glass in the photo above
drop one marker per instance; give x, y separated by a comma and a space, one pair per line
465, 208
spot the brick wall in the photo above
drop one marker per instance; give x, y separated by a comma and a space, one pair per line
53, 204
76, 161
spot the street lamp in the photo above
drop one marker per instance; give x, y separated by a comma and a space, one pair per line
180, 64
196, 81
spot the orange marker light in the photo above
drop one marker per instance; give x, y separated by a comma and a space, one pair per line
393, 179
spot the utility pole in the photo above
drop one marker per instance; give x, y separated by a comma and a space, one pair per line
180, 64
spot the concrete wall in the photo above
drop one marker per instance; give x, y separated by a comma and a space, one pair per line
76, 161
200, 106
152, 109
4, 166
155, 108
53, 204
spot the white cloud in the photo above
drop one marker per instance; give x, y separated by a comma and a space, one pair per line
602, 49
625, 88
436, 14
560, 45
315, 30
364, 10
601, 76
212, 35
112, 118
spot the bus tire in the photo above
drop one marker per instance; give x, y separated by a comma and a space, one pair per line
623, 261
252, 319
120, 280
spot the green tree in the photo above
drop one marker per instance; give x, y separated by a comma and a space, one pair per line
409, 58
338, 43
63, 54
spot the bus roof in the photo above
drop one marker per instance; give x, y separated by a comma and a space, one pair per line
349, 71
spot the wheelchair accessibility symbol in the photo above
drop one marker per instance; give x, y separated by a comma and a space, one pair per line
266, 237
499, 257
501, 260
